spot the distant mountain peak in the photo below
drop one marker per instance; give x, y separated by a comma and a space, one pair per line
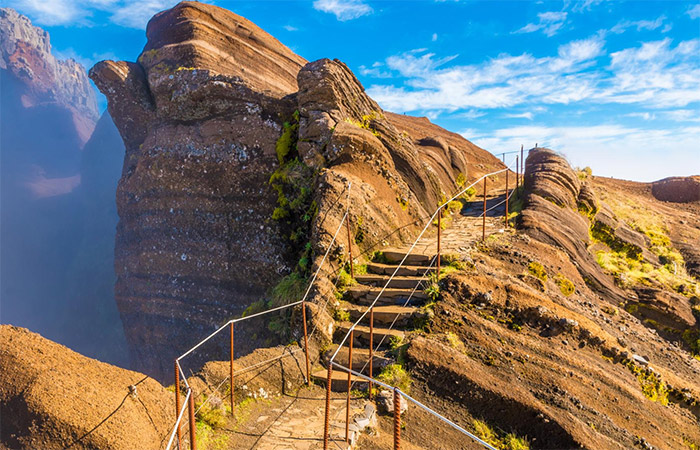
25, 51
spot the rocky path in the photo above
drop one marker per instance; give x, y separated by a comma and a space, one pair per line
294, 422
297, 422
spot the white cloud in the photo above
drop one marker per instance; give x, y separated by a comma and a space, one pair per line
653, 75
610, 150
694, 12
640, 25
290, 28
127, 13
136, 14
435, 37
343, 9
526, 115
549, 22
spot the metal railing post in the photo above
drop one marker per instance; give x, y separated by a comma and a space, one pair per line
327, 420
347, 405
177, 405
517, 172
439, 232
352, 270
193, 438
522, 162
371, 347
483, 221
506, 218
233, 401
397, 419
306, 343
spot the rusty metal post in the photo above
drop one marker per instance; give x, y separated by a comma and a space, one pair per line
397, 419
371, 347
347, 405
233, 402
326, 423
306, 343
522, 161
438, 239
483, 221
177, 405
347, 226
507, 198
193, 438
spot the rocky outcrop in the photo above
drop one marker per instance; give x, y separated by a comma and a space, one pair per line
552, 194
677, 189
201, 113
200, 119
54, 398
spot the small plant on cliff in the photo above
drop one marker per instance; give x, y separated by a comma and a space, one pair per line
395, 375
538, 271
565, 286
507, 441
293, 182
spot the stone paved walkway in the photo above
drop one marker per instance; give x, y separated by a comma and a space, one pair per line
465, 228
295, 422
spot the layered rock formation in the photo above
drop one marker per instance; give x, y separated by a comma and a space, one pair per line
553, 193
54, 398
201, 113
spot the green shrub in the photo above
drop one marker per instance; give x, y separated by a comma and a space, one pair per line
341, 315
565, 286
498, 440
461, 180
395, 375
538, 271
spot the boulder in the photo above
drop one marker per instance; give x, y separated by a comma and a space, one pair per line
677, 189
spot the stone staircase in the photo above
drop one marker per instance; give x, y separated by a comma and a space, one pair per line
391, 306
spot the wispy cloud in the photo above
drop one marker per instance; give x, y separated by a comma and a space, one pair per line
290, 28
343, 9
640, 25
694, 11
614, 148
653, 75
526, 115
549, 22
127, 13
435, 37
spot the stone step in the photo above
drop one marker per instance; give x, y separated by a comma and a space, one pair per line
360, 356
362, 334
404, 271
359, 291
394, 256
339, 379
403, 282
383, 314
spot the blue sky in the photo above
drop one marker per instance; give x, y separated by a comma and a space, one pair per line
614, 85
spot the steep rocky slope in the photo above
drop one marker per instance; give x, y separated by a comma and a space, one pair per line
57, 185
238, 155
578, 330
53, 398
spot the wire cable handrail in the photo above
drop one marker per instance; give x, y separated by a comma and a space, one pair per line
416, 402
413, 246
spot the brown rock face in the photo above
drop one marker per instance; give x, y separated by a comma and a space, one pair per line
677, 189
552, 193
200, 113
54, 398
